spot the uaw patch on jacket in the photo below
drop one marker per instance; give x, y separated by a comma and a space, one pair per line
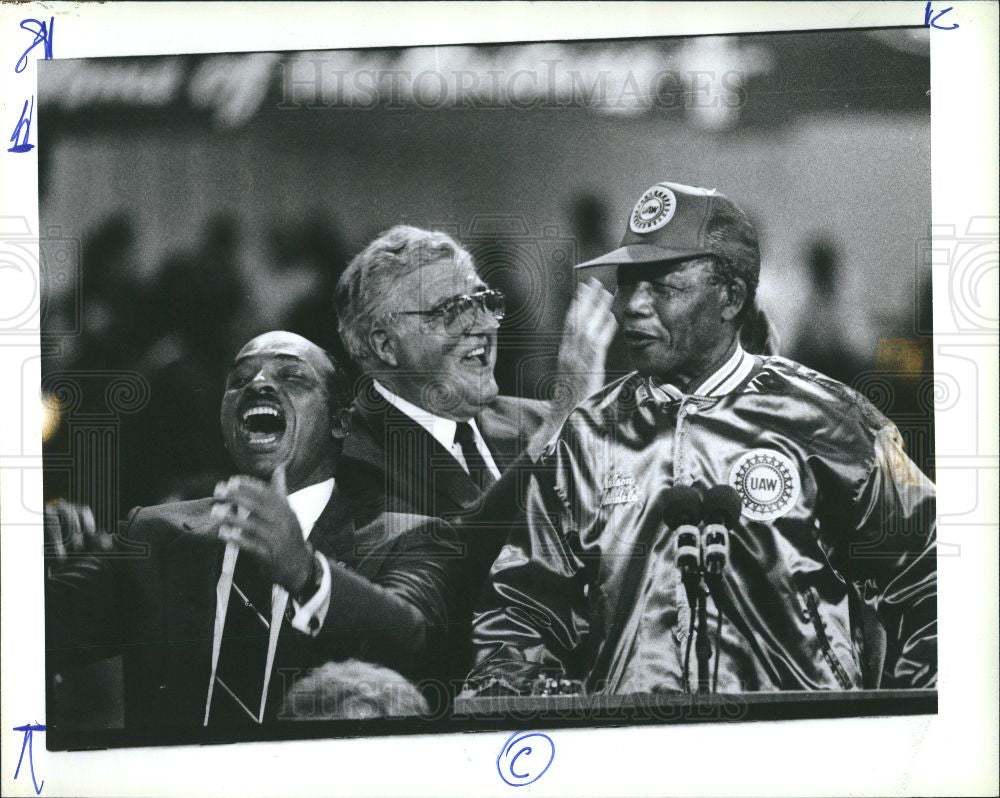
768, 483
620, 488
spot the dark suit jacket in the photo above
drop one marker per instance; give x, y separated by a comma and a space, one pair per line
153, 602
391, 463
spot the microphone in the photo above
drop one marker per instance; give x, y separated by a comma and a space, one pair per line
681, 512
721, 511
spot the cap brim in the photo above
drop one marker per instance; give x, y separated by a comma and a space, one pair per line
639, 253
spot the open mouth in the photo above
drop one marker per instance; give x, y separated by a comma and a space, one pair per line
478, 357
263, 424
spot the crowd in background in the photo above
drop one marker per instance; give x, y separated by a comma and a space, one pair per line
196, 231
179, 326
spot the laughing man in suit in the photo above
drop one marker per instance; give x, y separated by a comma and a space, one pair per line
430, 433
218, 604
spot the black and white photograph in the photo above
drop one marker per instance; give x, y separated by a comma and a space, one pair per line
491, 386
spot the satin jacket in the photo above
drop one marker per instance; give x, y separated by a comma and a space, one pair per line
837, 528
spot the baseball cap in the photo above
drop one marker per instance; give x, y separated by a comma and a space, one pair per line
671, 221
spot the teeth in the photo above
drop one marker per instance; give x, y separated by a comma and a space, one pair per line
477, 352
260, 411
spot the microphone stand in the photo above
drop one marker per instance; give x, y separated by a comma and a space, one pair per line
702, 646
702, 556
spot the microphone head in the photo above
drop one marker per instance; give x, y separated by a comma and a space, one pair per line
681, 505
722, 505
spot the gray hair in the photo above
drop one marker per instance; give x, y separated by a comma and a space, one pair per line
364, 290
352, 690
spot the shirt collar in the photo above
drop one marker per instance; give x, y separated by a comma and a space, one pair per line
309, 502
441, 429
723, 380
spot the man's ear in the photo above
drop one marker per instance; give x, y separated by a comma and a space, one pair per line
383, 344
340, 424
735, 298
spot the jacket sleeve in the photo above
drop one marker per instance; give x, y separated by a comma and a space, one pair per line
894, 553
83, 621
392, 607
532, 616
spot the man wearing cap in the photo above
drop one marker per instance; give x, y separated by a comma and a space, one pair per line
828, 577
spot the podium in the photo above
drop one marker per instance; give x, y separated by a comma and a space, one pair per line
519, 713
662, 708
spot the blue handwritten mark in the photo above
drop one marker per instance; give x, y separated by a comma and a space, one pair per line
25, 123
43, 35
27, 730
931, 18
520, 763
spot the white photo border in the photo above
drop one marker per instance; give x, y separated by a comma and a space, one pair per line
954, 752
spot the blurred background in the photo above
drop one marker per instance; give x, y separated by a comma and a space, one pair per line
191, 202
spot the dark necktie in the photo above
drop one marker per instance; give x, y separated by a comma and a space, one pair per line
239, 675
478, 470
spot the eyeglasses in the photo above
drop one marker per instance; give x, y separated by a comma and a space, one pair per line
458, 313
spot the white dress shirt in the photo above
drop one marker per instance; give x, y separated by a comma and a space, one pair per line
307, 504
441, 429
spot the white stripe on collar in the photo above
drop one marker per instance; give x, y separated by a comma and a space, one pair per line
723, 380
728, 376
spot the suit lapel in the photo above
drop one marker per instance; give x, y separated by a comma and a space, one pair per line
194, 560
507, 426
333, 532
366, 441
410, 462
501, 436
189, 573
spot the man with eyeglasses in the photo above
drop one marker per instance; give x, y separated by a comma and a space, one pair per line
430, 433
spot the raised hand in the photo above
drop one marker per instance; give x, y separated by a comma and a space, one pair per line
70, 530
256, 517
587, 335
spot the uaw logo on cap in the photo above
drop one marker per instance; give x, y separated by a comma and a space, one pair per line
653, 210
767, 482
